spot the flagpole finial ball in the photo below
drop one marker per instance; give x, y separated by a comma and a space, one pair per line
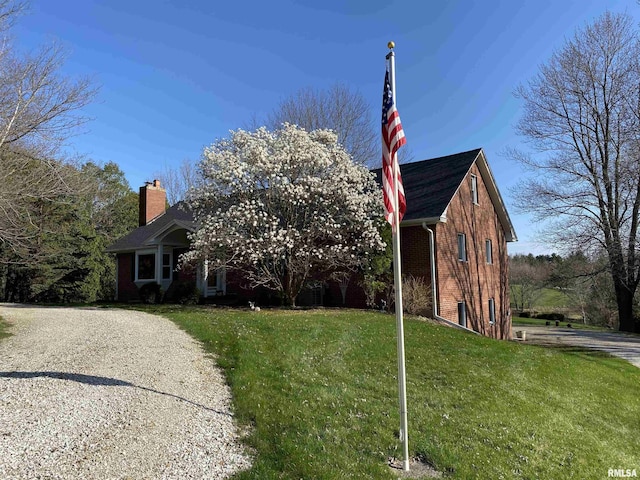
391, 45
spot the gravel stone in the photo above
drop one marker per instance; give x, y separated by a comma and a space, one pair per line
111, 394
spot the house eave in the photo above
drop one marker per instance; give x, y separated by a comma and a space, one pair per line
157, 237
154, 239
119, 250
428, 220
496, 198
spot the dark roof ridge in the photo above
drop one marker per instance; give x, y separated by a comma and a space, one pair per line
430, 185
474, 151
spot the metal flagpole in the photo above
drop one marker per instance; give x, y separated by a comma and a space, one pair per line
397, 279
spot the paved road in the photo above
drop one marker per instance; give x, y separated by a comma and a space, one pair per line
626, 346
106, 393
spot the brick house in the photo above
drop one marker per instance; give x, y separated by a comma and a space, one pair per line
150, 253
453, 203
455, 230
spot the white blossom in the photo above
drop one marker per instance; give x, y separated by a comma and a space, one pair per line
284, 207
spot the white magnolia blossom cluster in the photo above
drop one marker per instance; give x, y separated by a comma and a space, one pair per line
284, 207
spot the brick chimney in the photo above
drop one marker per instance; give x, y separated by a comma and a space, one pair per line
153, 201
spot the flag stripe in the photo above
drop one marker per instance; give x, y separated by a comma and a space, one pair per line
392, 139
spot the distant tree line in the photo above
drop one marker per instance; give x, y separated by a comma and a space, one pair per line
585, 283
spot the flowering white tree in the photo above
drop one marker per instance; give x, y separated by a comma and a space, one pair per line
284, 207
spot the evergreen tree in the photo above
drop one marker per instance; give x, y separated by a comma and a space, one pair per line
66, 261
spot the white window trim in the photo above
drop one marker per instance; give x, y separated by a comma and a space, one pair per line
474, 189
488, 247
492, 311
155, 269
162, 265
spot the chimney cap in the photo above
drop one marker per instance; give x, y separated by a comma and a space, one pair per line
154, 184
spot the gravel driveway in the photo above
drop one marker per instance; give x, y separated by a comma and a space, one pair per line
110, 394
622, 345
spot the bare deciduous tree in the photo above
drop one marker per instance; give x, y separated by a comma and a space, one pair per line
582, 116
10, 10
39, 109
526, 282
177, 181
24, 181
339, 108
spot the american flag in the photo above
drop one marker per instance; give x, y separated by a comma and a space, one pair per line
392, 140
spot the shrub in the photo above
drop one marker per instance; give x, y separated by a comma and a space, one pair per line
525, 315
150, 293
183, 292
551, 316
372, 287
416, 296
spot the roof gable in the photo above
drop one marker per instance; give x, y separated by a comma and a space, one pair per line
430, 185
178, 215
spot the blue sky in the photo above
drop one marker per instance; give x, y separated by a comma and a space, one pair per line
176, 75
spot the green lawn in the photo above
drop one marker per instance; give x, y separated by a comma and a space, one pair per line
318, 390
551, 298
548, 299
521, 321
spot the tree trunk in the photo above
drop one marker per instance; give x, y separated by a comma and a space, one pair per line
288, 299
290, 292
624, 299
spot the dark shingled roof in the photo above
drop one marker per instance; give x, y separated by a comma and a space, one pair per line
138, 237
429, 185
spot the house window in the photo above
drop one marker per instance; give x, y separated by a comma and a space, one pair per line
489, 250
146, 266
166, 266
462, 314
492, 311
462, 247
474, 189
